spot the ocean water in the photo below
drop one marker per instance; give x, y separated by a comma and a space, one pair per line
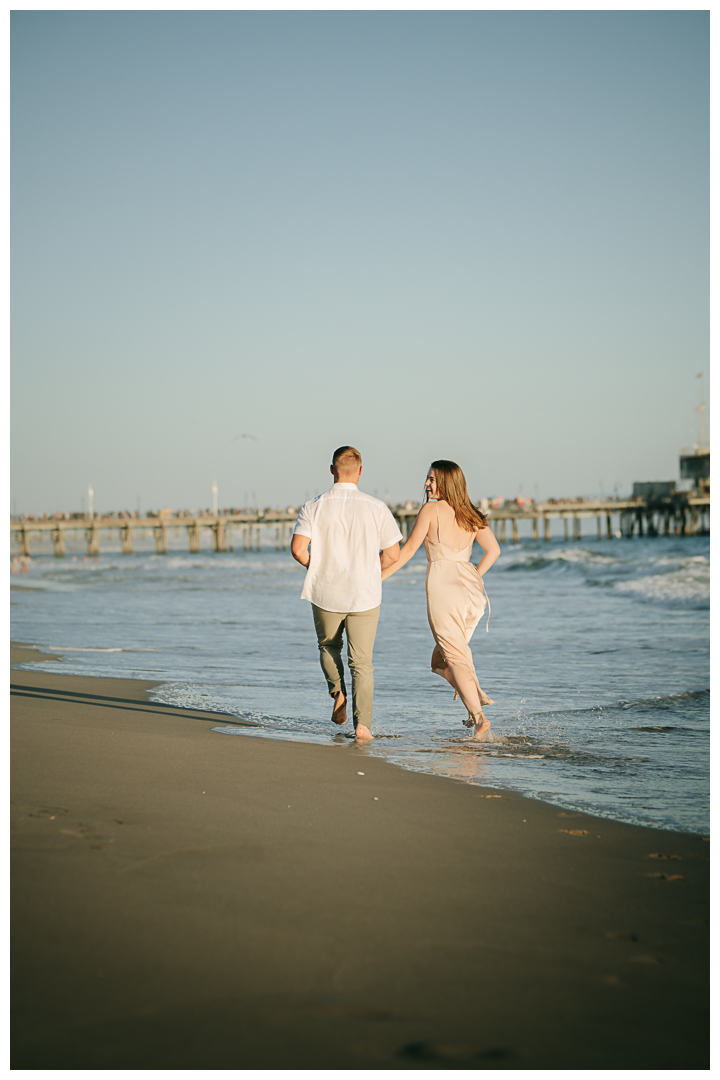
596, 655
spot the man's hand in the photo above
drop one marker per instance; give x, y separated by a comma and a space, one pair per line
299, 549
389, 556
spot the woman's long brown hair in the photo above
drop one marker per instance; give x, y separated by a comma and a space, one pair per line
451, 487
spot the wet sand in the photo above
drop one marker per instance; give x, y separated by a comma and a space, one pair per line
184, 899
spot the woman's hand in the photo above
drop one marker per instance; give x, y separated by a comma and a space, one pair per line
486, 539
482, 581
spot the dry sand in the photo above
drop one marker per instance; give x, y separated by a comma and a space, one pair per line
184, 899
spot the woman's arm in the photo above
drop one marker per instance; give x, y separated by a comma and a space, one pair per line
486, 539
413, 542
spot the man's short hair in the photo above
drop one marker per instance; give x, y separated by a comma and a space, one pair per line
347, 459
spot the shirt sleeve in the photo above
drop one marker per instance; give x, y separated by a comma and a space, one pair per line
389, 532
302, 525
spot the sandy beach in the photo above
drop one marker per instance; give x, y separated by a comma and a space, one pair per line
184, 900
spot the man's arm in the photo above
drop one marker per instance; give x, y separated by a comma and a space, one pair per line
389, 556
299, 549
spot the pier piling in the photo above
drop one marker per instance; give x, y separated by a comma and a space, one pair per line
194, 538
93, 540
160, 540
219, 540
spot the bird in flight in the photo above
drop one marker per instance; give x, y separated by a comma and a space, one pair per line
244, 437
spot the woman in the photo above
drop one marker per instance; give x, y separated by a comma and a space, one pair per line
456, 595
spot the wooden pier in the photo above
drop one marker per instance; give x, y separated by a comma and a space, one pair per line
241, 529
671, 517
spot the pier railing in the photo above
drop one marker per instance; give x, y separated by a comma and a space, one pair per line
686, 516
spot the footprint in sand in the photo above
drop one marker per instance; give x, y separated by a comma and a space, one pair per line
82, 831
667, 877
574, 832
457, 1052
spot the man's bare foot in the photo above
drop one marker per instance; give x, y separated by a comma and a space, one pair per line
339, 713
362, 734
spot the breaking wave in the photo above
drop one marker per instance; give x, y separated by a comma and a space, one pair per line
636, 573
686, 588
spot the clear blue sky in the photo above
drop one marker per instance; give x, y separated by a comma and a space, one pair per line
474, 235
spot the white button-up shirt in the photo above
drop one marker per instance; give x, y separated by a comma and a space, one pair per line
347, 531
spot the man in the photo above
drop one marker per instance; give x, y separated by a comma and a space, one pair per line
354, 537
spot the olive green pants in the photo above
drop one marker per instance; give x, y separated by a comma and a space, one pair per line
360, 627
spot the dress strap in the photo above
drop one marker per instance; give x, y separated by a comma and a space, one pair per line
437, 511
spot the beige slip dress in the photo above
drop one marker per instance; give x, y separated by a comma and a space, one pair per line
455, 604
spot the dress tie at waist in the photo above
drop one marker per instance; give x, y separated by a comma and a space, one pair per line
487, 624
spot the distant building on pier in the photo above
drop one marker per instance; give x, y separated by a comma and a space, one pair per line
653, 489
696, 467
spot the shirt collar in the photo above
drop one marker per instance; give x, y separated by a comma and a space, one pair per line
341, 485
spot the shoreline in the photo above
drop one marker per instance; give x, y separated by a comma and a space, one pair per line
32, 653
186, 902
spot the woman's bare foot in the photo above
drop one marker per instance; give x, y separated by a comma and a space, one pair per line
481, 726
339, 713
362, 734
